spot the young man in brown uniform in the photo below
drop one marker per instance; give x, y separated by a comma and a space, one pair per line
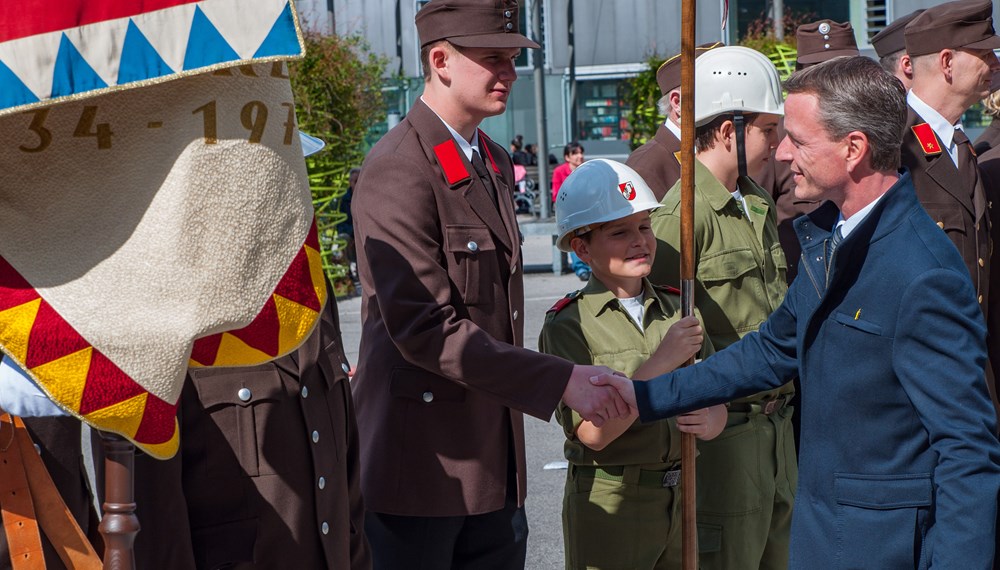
951, 46
442, 379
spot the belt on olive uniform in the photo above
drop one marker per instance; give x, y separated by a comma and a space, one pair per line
766, 407
647, 478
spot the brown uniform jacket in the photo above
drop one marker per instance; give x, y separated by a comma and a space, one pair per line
656, 161
963, 214
988, 139
267, 475
959, 210
442, 379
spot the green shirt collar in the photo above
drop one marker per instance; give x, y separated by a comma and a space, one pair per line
597, 297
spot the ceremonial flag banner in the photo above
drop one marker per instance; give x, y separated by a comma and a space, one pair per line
154, 206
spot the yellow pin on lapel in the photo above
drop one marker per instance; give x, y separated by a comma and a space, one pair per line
857, 315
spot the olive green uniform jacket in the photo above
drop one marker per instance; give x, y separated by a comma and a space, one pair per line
740, 267
629, 522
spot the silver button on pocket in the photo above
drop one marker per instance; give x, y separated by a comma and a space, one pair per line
244, 394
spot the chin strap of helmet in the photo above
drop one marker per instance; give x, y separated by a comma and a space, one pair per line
741, 153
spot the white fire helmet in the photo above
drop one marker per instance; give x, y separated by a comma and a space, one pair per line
735, 78
599, 191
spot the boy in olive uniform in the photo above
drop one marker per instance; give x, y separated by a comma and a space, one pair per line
747, 476
621, 507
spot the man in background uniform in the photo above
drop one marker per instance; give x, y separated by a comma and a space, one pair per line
267, 475
890, 46
951, 46
657, 159
442, 378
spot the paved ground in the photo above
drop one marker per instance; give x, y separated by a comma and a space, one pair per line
544, 439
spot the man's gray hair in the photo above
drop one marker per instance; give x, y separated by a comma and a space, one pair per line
663, 105
856, 94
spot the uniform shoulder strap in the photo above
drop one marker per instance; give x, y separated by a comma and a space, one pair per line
564, 302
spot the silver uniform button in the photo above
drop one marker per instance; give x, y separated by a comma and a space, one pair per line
322, 482
509, 26
325, 528
506, 14
473, 246
244, 394
427, 396
305, 392
345, 368
315, 436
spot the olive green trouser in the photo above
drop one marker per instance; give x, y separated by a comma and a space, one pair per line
746, 488
612, 525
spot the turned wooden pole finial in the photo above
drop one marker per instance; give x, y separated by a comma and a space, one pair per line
119, 525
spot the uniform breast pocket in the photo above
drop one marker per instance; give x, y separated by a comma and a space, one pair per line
241, 403
948, 217
472, 255
882, 520
730, 265
778, 255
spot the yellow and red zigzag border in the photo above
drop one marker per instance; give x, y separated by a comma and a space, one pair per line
90, 386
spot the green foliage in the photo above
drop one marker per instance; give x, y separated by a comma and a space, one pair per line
760, 36
338, 95
643, 93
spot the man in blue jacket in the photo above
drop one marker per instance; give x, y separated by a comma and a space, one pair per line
898, 466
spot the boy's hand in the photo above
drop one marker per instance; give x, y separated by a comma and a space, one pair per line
683, 341
705, 423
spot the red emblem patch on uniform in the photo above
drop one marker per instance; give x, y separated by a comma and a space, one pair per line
451, 162
925, 136
627, 190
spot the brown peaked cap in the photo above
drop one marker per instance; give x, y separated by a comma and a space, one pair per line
890, 39
472, 23
668, 76
960, 24
823, 40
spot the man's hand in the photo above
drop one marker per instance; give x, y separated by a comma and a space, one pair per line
595, 401
621, 384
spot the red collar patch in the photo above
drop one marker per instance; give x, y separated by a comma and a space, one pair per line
928, 141
489, 154
451, 162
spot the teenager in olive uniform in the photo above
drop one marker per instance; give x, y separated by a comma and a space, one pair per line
746, 477
890, 46
621, 507
442, 378
951, 46
657, 159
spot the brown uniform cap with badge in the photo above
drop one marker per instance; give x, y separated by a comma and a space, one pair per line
668, 76
890, 39
472, 23
964, 24
823, 40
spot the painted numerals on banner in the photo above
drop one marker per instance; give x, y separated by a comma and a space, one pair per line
253, 116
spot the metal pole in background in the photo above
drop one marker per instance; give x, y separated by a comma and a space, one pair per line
574, 128
689, 525
779, 20
540, 115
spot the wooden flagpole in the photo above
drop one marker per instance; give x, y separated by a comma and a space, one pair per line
689, 525
119, 524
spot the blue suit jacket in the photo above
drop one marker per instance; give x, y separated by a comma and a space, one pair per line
899, 467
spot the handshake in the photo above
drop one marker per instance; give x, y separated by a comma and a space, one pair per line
598, 394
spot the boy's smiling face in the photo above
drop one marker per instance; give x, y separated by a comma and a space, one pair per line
620, 252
